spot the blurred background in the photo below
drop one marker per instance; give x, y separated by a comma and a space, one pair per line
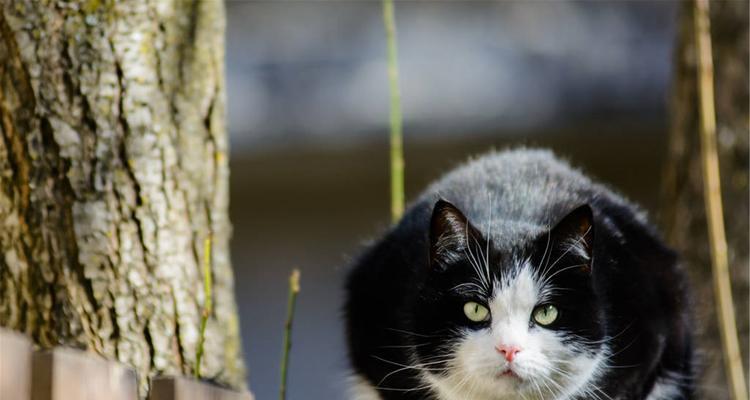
308, 112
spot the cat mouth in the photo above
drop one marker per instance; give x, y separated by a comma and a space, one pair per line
508, 373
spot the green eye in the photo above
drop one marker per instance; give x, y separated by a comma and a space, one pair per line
545, 315
476, 312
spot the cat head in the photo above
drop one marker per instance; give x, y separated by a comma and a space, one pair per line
521, 323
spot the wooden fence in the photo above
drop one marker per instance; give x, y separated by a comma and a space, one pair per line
68, 374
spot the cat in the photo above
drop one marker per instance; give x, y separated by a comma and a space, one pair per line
517, 277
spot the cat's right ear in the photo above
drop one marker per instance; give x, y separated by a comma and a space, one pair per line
574, 236
450, 234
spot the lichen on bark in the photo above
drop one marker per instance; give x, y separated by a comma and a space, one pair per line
113, 160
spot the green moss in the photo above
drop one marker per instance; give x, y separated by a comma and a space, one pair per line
91, 6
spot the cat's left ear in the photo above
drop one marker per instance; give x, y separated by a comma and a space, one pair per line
451, 234
574, 235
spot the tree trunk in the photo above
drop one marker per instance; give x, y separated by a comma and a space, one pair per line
684, 210
113, 160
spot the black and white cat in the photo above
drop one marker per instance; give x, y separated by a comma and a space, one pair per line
516, 277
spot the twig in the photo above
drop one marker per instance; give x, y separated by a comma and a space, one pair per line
396, 137
207, 304
293, 291
712, 198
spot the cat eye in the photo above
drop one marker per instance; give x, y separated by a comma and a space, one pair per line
545, 315
476, 312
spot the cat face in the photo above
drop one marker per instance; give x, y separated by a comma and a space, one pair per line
514, 324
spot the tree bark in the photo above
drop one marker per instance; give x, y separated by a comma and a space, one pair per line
683, 207
113, 160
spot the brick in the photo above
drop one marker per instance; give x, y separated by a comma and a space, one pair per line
15, 366
180, 388
68, 374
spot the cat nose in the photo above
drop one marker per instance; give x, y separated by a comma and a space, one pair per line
509, 352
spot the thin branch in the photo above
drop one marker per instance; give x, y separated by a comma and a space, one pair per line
713, 200
293, 291
396, 137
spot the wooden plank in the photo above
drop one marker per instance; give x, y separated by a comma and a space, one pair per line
15, 366
180, 388
68, 374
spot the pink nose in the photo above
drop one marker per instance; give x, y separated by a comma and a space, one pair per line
509, 352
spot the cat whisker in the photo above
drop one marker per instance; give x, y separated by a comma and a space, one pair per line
403, 365
473, 288
411, 389
596, 388
571, 247
549, 389
610, 356
544, 255
484, 257
557, 388
483, 278
476, 269
414, 333
489, 235
547, 279
606, 339
418, 367
403, 346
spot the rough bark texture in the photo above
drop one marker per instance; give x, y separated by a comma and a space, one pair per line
684, 210
113, 160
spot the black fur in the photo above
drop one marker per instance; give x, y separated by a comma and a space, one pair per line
632, 291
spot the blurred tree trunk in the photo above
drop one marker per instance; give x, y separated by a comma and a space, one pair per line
113, 161
683, 206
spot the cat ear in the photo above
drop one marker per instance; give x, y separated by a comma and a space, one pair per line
574, 235
450, 233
